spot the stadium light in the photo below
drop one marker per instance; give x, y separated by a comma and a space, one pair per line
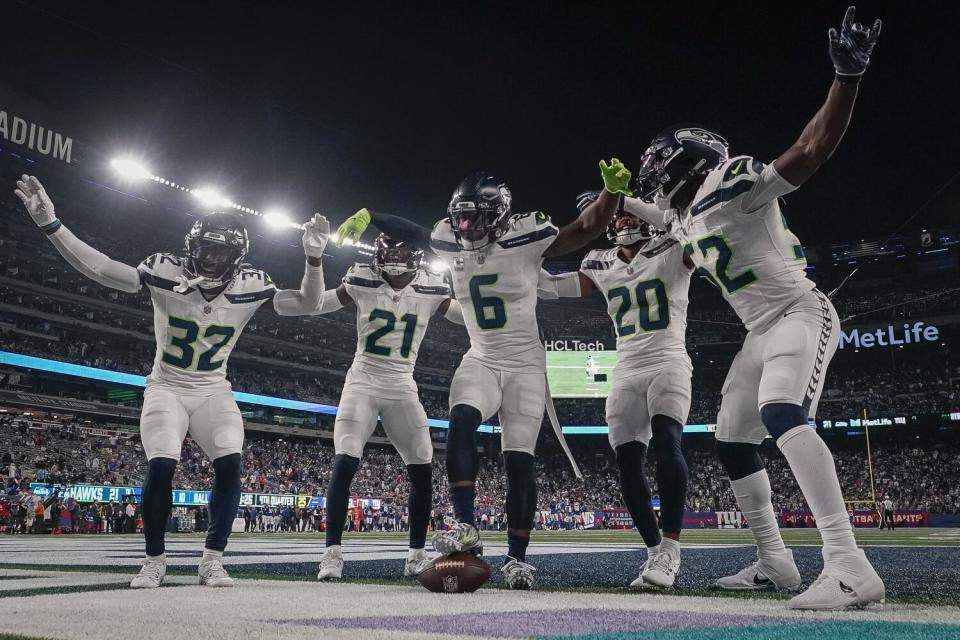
277, 219
438, 266
212, 198
130, 169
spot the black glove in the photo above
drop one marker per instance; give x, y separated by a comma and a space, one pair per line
585, 199
851, 49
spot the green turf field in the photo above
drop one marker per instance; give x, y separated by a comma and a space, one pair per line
566, 371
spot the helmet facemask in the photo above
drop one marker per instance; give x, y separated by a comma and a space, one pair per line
215, 248
396, 258
479, 210
626, 229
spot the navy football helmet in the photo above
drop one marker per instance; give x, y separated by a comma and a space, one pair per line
395, 257
215, 248
479, 210
676, 162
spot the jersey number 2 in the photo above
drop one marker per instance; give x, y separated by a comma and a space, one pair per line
390, 321
724, 255
185, 344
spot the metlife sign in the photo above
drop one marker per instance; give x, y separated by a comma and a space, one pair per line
889, 336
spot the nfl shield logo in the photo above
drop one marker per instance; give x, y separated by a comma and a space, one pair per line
451, 584
207, 308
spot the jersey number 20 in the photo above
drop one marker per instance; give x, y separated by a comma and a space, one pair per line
185, 344
646, 321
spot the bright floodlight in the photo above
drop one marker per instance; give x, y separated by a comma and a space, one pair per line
129, 168
277, 219
438, 266
212, 198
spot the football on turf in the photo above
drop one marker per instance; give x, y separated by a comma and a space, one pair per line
456, 573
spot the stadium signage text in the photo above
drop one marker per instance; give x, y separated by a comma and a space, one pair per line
573, 345
890, 335
35, 137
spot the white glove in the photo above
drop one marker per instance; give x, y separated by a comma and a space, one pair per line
315, 234
36, 200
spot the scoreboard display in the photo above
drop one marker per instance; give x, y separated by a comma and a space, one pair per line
580, 374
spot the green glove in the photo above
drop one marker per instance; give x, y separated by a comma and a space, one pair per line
616, 177
353, 228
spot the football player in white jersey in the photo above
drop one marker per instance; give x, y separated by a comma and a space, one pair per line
726, 214
202, 300
495, 256
395, 300
645, 279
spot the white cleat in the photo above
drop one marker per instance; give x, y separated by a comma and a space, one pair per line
212, 574
639, 583
460, 537
846, 583
661, 570
151, 573
416, 563
766, 573
518, 574
331, 564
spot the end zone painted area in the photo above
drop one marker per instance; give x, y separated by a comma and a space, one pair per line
283, 609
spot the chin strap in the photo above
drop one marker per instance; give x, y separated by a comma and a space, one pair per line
185, 283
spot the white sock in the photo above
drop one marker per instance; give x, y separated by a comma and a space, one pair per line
334, 549
162, 557
671, 546
813, 467
753, 496
210, 554
652, 551
413, 553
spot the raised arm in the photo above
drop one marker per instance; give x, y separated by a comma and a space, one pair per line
594, 219
394, 226
850, 52
333, 300
304, 301
569, 284
81, 256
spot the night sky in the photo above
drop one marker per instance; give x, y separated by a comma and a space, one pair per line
388, 106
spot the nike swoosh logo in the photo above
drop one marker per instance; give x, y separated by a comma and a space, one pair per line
760, 581
737, 168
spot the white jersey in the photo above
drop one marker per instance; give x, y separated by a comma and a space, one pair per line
647, 301
734, 231
194, 336
497, 288
390, 323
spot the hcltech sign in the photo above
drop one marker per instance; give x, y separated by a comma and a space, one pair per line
890, 335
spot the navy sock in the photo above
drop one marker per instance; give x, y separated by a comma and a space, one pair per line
517, 546
419, 503
636, 491
671, 472
224, 501
338, 496
156, 501
463, 500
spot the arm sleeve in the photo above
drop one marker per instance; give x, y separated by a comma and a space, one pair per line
288, 302
401, 229
769, 185
647, 212
93, 264
454, 312
329, 302
562, 285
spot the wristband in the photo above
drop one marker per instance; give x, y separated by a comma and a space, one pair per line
52, 227
844, 78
